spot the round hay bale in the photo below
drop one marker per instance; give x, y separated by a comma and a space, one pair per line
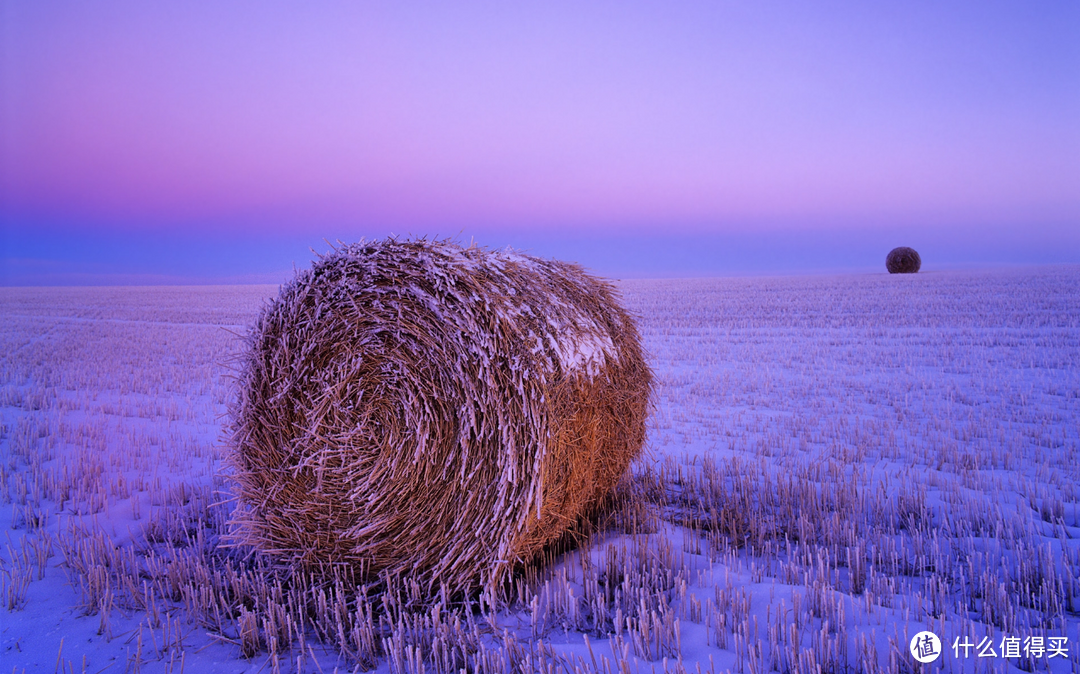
903, 260
423, 409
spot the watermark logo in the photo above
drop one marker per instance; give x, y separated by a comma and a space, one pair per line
925, 647
1034, 647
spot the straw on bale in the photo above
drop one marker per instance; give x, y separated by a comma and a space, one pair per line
903, 260
421, 409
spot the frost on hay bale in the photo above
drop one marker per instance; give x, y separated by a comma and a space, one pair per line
420, 409
903, 260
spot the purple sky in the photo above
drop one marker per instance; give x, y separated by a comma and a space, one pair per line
198, 141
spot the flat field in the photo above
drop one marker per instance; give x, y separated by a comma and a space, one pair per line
834, 464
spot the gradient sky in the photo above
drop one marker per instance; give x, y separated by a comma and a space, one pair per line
199, 141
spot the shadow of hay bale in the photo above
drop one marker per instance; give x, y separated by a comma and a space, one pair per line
903, 260
423, 410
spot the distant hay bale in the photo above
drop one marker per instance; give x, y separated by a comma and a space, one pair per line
903, 260
433, 411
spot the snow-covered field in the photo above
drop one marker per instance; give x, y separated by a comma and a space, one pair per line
834, 465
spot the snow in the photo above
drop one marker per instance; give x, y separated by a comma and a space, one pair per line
930, 424
585, 351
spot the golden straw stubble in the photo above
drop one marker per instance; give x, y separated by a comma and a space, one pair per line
421, 409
